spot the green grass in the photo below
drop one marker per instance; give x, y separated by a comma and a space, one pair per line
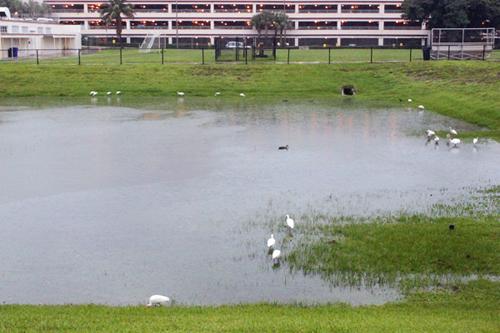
386, 249
474, 307
465, 90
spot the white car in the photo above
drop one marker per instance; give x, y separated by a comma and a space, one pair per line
237, 45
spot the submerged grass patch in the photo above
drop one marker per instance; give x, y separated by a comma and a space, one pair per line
387, 249
472, 307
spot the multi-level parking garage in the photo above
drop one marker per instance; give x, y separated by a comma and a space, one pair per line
198, 23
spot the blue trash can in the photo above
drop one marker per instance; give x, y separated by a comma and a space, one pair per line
14, 52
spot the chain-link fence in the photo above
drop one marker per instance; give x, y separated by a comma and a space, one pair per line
245, 54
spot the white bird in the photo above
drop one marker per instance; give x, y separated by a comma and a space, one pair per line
180, 93
475, 141
118, 92
158, 300
410, 100
217, 93
109, 93
271, 241
430, 133
421, 107
453, 131
455, 142
290, 222
93, 93
436, 140
242, 95
276, 255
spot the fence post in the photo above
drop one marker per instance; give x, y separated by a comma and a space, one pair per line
162, 55
79, 58
203, 56
288, 56
449, 52
37, 60
246, 56
371, 55
410, 53
329, 55
484, 52
121, 55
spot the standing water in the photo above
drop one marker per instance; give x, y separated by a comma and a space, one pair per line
106, 204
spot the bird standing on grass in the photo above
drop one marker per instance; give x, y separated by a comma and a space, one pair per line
180, 93
453, 131
475, 141
242, 95
290, 223
158, 300
421, 107
217, 93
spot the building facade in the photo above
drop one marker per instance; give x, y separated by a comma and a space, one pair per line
198, 23
28, 37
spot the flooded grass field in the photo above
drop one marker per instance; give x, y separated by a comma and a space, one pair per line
110, 204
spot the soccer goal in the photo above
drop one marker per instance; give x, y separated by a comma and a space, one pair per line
151, 41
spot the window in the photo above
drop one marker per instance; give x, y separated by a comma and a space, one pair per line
3, 28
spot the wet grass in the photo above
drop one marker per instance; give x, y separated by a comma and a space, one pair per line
464, 90
472, 307
388, 249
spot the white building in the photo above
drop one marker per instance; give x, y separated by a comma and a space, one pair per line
197, 23
27, 36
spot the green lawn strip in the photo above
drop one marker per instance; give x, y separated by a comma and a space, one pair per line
463, 90
473, 307
386, 249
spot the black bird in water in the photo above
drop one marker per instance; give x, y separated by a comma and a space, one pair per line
451, 227
283, 147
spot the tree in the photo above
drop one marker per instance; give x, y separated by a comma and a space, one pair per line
112, 12
454, 13
281, 24
31, 8
263, 21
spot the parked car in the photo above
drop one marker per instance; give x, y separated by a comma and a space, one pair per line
237, 45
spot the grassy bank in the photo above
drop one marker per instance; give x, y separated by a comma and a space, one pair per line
385, 249
465, 90
468, 308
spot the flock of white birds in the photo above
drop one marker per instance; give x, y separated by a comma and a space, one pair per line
94, 93
160, 300
271, 242
453, 141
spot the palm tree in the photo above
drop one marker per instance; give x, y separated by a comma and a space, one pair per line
262, 21
112, 13
281, 23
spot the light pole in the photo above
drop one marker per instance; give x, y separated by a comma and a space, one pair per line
176, 25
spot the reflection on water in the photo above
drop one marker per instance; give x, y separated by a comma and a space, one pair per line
112, 204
